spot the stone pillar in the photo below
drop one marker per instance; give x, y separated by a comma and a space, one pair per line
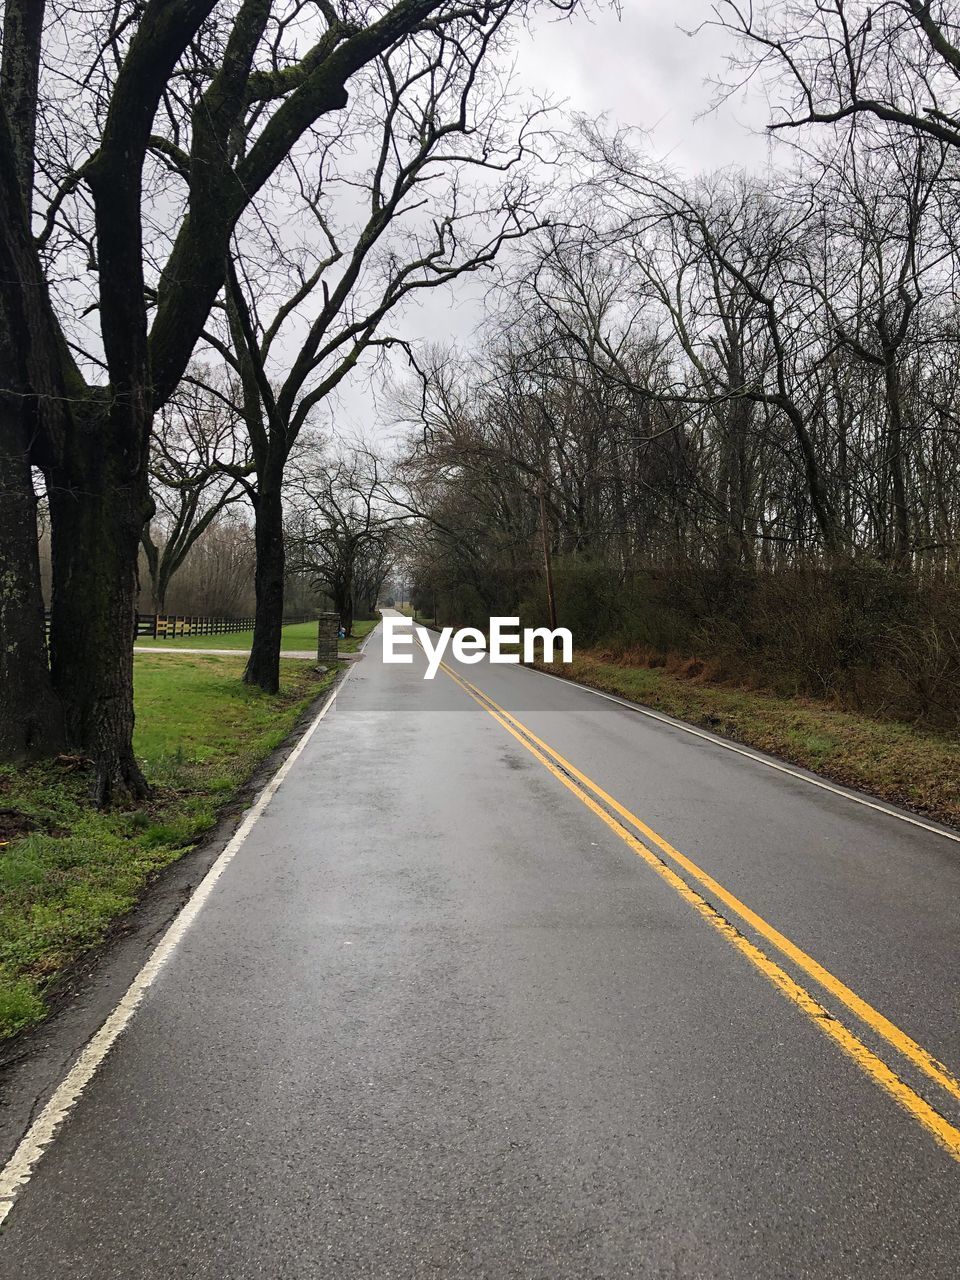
329, 625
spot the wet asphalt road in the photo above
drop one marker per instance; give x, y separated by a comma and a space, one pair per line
438, 1020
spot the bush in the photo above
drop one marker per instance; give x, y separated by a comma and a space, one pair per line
859, 634
589, 600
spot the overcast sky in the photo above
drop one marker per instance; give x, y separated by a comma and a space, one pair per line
643, 69
640, 70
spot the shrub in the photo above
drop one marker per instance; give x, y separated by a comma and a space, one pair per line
858, 633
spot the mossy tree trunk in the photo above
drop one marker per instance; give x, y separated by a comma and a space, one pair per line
343, 601
31, 723
98, 503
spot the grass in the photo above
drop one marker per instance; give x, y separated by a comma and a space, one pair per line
200, 735
917, 769
296, 635
360, 631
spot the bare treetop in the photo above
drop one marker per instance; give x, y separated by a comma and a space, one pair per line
897, 62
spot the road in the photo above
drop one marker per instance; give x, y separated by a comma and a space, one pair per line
458, 1007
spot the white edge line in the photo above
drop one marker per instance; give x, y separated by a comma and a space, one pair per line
19, 1169
750, 755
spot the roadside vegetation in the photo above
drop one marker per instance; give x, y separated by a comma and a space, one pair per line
68, 871
418, 615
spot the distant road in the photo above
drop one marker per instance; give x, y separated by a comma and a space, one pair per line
510, 980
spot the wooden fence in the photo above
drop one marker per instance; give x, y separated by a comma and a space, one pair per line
170, 626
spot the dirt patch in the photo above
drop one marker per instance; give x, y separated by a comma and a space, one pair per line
14, 825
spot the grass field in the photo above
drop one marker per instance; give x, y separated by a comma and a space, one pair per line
298, 635
889, 759
68, 871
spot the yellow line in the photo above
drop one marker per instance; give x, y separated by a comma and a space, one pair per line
888, 1030
946, 1134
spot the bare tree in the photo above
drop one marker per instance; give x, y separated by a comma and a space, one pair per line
344, 531
897, 62
414, 221
199, 461
134, 137
216, 576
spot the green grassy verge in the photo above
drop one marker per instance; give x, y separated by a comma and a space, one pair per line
360, 631
68, 871
897, 762
297, 635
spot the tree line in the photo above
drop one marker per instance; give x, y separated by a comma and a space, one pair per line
727, 406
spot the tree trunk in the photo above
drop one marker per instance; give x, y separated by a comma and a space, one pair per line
346, 613
824, 514
901, 511
263, 665
341, 592
31, 723
155, 568
97, 511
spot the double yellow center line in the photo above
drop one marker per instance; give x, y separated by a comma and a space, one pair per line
668, 862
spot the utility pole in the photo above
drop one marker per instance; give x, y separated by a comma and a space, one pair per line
547, 566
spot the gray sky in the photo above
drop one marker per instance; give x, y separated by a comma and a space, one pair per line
642, 70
